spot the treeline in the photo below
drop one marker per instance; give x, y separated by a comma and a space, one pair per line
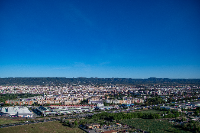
4, 97
121, 116
171, 114
154, 101
61, 81
144, 115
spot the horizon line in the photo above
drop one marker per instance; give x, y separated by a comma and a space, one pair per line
102, 78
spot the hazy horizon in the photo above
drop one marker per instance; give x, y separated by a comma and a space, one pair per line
102, 77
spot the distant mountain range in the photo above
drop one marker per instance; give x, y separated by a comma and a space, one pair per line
62, 81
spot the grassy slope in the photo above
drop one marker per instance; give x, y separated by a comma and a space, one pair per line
156, 126
47, 127
7, 121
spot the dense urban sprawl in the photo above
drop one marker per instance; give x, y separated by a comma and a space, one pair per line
88, 101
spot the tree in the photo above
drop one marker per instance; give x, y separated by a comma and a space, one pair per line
75, 123
183, 119
177, 131
67, 123
196, 112
154, 100
157, 116
176, 114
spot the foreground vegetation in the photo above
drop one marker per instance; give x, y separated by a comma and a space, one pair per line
46, 127
7, 121
153, 125
155, 121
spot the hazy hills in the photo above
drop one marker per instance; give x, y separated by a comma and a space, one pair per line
55, 81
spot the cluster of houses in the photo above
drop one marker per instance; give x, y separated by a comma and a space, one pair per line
71, 97
65, 100
74, 94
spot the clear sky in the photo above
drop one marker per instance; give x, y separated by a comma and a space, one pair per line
100, 38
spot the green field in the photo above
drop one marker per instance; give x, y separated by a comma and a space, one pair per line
7, 121
46, 127
156, 126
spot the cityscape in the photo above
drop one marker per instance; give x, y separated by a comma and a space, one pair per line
81, 103
99, 66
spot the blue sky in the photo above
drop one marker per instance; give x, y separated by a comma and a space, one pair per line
105, 39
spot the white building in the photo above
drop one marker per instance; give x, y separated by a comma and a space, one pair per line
17, 111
